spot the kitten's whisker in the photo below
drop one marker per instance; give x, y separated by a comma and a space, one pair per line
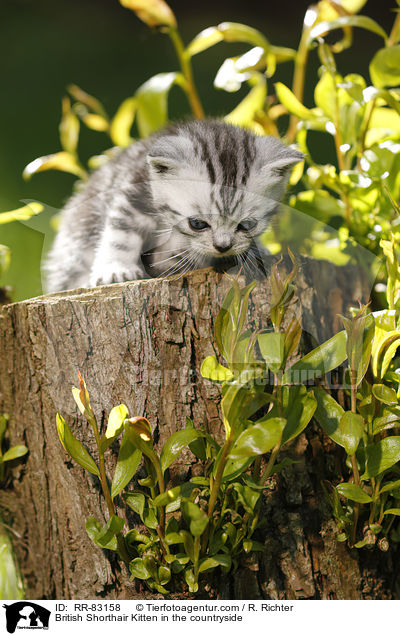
188, 265
251, 262
172, 249
169, 258
173, 268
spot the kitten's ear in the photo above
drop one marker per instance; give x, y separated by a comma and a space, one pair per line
169, 154
275, 158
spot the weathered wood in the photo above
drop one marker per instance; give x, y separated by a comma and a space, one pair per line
142, 343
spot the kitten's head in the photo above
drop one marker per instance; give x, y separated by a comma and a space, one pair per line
218, 186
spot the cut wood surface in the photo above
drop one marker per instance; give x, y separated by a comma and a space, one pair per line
142, 343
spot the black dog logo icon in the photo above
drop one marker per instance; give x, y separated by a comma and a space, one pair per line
26, 615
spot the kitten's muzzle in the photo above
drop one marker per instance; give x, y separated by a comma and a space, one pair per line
223, 246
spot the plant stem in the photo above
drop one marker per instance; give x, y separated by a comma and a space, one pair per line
106, 492
111, 510
393, 37
216, 488
298, 80
268, 469
356, 476
161, 487
367, 120
186, 67
218, 477
196, 558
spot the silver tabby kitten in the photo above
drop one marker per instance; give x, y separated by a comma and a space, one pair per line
186, 197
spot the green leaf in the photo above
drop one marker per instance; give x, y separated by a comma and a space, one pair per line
147, 513
323, 359
345, 428
14, 452
139, 570
228, 32
115, 422
351, 426
236, 32
91, 102
329, 414
173, 538
197, 518
353, 492
381, 456
390, 486
204, 40
209, 563
178, 492
115, 425
69, 127
234, 468
360, 333
384, 68
5, 257
247, 497
4, 418
258, 439
95, 122
212, 370
128, 461
144, 445
63, 161
243, 114
383, 351
152, 102
253, 546
22, 214
136, 501
298, 407
392, 511
236, 398
230, 319
75, 449
325, 95
175, 445
122, 123
384, 394
104, 537
188, 544
164, 574
353, 6
198, 447
293, 105
347, 21
110, 530
191, 581
272, 347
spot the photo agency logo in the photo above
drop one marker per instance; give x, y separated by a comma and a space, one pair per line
26, 615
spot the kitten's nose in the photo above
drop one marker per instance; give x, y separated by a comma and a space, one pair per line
223, 245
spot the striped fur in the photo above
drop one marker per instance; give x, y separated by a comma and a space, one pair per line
186, 197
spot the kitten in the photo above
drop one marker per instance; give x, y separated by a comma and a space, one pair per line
189, 196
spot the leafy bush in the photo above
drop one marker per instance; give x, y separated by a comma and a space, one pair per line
11, 585
209, 521
337, 208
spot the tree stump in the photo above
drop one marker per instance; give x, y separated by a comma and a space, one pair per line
142, 343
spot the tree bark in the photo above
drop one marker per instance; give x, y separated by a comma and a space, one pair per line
142, 343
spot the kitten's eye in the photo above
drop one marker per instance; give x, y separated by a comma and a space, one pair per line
198, 224
247, 225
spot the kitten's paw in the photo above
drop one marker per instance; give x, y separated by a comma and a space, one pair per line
116, 274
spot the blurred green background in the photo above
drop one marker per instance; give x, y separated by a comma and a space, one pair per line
107, 51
